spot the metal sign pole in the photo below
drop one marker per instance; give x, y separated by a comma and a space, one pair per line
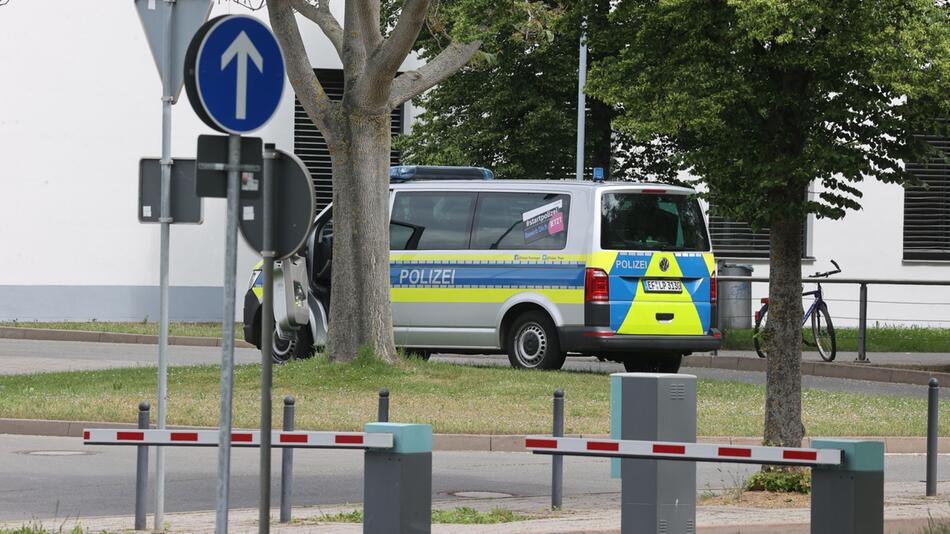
581, 99
267, 334
165, 220
227, 356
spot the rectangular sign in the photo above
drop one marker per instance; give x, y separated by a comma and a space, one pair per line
543, 221
186, 206
211, 178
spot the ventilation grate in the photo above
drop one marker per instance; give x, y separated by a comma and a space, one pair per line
677, 391
311, 147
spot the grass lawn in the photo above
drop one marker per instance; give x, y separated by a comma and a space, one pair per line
452, 398
144, 327
879, 339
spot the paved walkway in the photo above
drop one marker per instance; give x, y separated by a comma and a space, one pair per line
905, 512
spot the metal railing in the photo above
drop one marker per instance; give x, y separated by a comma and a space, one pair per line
862, 299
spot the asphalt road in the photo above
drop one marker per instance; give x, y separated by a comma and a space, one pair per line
592, 365
28, 356
20, 356
47, 477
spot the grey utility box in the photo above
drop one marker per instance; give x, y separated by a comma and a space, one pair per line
735, 298
656, 495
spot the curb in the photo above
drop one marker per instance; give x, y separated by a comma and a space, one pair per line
44, 334
831, 370
446, 442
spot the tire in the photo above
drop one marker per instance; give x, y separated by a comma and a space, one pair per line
653, 363
823, 333
531, 342
759, 326
299, 348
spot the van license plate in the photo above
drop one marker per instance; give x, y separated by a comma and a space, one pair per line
663, 286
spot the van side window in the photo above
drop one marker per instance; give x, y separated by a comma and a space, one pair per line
521, 221
431, 220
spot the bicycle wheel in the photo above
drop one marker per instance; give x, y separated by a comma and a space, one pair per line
823, 332
759, 327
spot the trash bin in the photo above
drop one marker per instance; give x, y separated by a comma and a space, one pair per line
735, 298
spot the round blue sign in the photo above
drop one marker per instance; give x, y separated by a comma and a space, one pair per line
234, 73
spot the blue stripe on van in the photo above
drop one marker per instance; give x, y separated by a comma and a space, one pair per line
463, 275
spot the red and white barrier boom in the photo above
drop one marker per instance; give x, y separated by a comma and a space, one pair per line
695, 452
239, 438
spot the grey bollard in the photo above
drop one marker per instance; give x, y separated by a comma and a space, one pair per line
397, 482
141, 470
287, 464
557, 461
655, 495
383, 412
933, 413
849, 499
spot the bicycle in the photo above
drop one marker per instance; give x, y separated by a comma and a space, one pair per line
822, 331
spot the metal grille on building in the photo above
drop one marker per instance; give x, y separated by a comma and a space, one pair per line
311, 147
732, 239
927, 206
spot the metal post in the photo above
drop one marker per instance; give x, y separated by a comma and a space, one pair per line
227, 353
863, 325
141, 470
557, 461
165, 220
933, 406
581, 99
267, 334
287, 464
383, 413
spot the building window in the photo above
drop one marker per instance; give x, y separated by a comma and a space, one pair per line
732, 239
311, 147
927, 206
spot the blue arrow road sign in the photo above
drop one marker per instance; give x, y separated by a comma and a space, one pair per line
234, 73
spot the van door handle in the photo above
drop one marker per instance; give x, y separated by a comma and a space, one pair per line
664, 317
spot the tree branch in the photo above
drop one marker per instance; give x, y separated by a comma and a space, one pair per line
304, 81
354, 48
413, 83
369, 24
319, 13
393, 51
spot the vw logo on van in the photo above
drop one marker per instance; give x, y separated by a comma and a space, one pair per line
664, 264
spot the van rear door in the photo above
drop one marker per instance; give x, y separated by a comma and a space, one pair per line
660, 266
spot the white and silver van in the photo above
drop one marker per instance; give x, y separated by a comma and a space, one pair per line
539, 270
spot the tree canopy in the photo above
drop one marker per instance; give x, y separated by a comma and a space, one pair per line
763, 98
514, 109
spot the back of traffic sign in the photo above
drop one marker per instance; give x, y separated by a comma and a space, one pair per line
234, 73
184, 18
293, 209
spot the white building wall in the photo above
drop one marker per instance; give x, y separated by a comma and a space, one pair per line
868, 243
79, 106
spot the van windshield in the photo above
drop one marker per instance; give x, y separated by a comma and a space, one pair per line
649, 221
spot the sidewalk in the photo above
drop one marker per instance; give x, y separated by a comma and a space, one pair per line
906, 512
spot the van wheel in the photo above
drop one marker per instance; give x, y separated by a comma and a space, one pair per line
653, 363
531, 342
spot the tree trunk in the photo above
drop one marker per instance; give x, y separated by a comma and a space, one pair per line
783, 402
360, 299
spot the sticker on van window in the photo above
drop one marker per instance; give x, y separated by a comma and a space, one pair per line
543, 221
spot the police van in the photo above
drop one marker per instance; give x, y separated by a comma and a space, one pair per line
536, 269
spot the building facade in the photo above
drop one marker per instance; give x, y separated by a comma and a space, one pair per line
80, 106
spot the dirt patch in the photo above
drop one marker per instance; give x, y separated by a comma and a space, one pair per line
758, 499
